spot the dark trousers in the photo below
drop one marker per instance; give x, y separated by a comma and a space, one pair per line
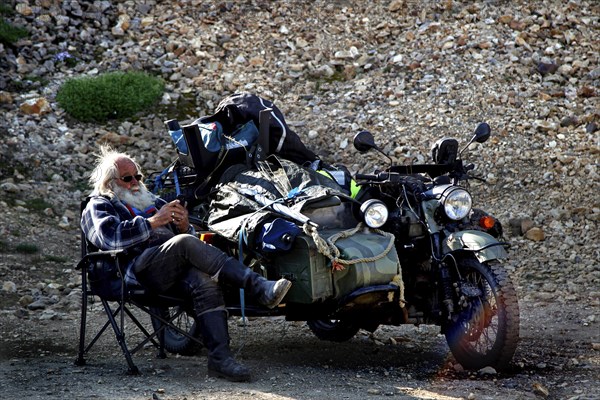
183, 265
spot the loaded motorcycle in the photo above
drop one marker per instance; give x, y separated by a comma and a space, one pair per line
408, 250
450, 253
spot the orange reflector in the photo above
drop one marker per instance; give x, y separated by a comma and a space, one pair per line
487, 222
206, 237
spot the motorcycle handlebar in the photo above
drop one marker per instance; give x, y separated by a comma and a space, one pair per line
367, 177
380, 177
454, 171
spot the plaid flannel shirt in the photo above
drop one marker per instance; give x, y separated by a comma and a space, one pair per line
109, 225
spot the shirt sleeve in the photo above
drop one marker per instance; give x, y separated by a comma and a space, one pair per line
105, 229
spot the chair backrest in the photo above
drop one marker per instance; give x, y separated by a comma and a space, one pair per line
198, 157
83, 240
103, 271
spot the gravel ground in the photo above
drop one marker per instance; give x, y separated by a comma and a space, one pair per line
410, 72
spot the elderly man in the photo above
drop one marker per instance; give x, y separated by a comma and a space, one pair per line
165, 256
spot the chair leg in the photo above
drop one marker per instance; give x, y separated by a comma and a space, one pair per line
149, 336
133, 370
80, 361
161, 341
165, 323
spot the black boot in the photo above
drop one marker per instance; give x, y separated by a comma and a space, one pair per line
268, 293
221, 363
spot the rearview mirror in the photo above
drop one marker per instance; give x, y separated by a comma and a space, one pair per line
482, 133
364, 141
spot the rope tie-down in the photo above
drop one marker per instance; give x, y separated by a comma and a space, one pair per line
328, 249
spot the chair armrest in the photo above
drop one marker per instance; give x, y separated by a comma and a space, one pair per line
99, 254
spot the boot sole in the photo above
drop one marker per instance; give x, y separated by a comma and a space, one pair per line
230, 378
275, 302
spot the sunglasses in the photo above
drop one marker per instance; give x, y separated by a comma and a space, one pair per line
129, 178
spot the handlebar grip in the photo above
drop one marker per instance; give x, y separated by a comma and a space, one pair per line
367, 177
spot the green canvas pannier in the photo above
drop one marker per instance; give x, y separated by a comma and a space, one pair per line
361, 274
307, 270
311, 272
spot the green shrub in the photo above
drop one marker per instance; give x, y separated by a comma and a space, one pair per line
56, 259
37, 204
113, 95
27, 248
5, 9
9, 34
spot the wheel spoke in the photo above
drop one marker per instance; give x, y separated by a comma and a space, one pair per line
485, 331
481, 327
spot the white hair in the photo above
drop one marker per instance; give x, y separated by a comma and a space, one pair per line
106, 171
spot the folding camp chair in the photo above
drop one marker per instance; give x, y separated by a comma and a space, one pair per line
170, 316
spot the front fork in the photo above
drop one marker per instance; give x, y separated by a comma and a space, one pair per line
483, 246
445, 276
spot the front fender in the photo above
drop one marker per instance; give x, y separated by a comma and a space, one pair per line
482, 244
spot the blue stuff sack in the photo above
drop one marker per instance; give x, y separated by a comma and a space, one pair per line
214, 138
244, 136
212, 135
278, 235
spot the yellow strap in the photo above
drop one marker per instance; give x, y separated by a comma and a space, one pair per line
354, 189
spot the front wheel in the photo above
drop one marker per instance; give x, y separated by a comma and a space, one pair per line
333, 330
484, 329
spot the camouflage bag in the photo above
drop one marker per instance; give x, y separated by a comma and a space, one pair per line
376, 263
370, 259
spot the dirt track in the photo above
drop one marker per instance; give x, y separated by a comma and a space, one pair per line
409, 71
556, 356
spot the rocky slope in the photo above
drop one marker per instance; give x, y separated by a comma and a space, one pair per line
410, 72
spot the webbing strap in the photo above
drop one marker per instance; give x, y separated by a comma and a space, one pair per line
241, 259
176, 181
158, 181
158, 184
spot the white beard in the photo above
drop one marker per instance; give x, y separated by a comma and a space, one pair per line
141, 199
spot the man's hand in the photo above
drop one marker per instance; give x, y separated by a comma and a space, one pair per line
171, 212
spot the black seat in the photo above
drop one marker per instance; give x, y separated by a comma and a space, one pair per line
171, 327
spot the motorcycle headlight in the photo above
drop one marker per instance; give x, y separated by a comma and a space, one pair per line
374, 212
457, 203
